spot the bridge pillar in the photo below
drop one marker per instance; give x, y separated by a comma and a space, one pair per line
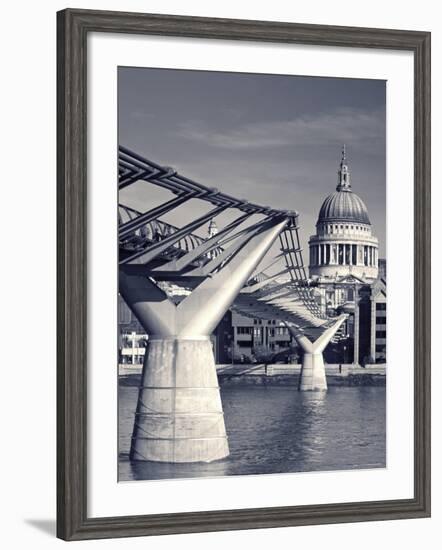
312, 377
179, 416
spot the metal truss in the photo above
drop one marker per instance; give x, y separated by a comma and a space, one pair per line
166, 254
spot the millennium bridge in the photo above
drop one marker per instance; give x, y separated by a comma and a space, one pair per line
179, 285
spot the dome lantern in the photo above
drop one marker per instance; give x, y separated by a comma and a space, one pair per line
344, 182
343, 205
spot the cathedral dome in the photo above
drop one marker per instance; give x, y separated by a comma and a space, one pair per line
344, 245
343, 205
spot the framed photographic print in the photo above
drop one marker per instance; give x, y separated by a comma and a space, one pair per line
243, 274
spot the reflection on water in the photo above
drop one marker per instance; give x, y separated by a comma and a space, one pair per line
279, 430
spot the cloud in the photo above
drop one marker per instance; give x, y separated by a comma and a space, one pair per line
343, 125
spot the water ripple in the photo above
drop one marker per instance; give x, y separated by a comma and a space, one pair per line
279, 430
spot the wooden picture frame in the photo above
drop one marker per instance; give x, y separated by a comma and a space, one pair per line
73, 27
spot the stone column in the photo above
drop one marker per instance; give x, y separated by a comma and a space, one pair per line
356, 329
373, 329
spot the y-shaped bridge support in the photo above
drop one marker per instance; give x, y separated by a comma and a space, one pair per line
179, 415
313, 369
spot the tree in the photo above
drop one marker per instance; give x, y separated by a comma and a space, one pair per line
263, 354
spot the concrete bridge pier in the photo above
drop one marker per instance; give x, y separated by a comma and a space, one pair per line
313, 376
312, 372
179, 416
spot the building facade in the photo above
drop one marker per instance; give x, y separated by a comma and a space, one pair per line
132, 340
255, 338
348, 273
370, 323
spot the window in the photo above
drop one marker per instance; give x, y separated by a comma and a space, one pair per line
381, 307
353, 254
380, 320
381, 334
243, 344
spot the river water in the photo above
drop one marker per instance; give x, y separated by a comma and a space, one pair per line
278, 430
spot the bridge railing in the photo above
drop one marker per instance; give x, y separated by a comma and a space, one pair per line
155, 231
167, 252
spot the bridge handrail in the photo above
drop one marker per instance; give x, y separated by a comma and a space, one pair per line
154, 231
133, 167
142, 235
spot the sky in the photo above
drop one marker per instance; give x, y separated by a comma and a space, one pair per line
274, 140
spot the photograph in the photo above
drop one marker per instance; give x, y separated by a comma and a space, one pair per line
252, 277
215, 198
